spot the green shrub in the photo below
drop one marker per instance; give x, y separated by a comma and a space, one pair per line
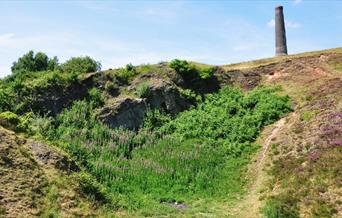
40, 125
79, 65
31, 62
143, 90
127, 73
154, 119
307, 115
9, 120
186, 70
95, 96
129, 67
189, 71
6, 100
191, 96
206, 73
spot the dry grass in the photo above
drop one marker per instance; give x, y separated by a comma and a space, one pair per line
30, 187
274, 60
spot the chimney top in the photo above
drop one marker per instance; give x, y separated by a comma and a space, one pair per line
279, 7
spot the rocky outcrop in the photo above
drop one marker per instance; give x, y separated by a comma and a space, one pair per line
126, 112
163, 93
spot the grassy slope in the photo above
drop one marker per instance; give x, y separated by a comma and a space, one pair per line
313, 81
30, 188
304, 161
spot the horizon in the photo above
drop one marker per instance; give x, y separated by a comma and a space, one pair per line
117, 32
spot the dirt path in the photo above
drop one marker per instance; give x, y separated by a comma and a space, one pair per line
250, 205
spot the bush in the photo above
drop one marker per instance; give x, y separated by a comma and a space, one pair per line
31, 62
154, 119
127, 73
191, 96
206, 73
95, 96
186, 70
6, 100
40, 125
80, 65
9, 120
189, 71
143, 90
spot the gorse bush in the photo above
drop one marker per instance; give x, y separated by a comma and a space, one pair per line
200, 153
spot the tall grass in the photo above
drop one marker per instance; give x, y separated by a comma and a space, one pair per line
199, 154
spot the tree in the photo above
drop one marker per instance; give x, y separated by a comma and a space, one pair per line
31, 62
81, 65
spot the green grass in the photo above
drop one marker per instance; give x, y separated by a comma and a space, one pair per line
200, 154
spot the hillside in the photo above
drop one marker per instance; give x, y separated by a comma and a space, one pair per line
179, 139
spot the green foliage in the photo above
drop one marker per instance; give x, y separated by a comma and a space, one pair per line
222, 117
154, 119
180, 158
78, 65
307, 115
9, 120
95, 96
191, 96
111, 87
189, 71
206, 73
127, 73
6, 100
276, 208
129, 67
143, 90
13, 121
91, 188
31, 62
40, 125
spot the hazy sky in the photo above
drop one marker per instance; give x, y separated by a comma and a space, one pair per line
119, 32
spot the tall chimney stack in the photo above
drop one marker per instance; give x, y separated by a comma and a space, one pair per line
280, 34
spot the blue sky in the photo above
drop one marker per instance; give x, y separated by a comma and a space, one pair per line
120, 32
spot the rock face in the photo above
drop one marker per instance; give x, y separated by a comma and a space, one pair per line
128, 112
165, 95
125, 112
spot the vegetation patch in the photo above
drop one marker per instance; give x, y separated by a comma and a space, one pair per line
201, 153
189, 71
